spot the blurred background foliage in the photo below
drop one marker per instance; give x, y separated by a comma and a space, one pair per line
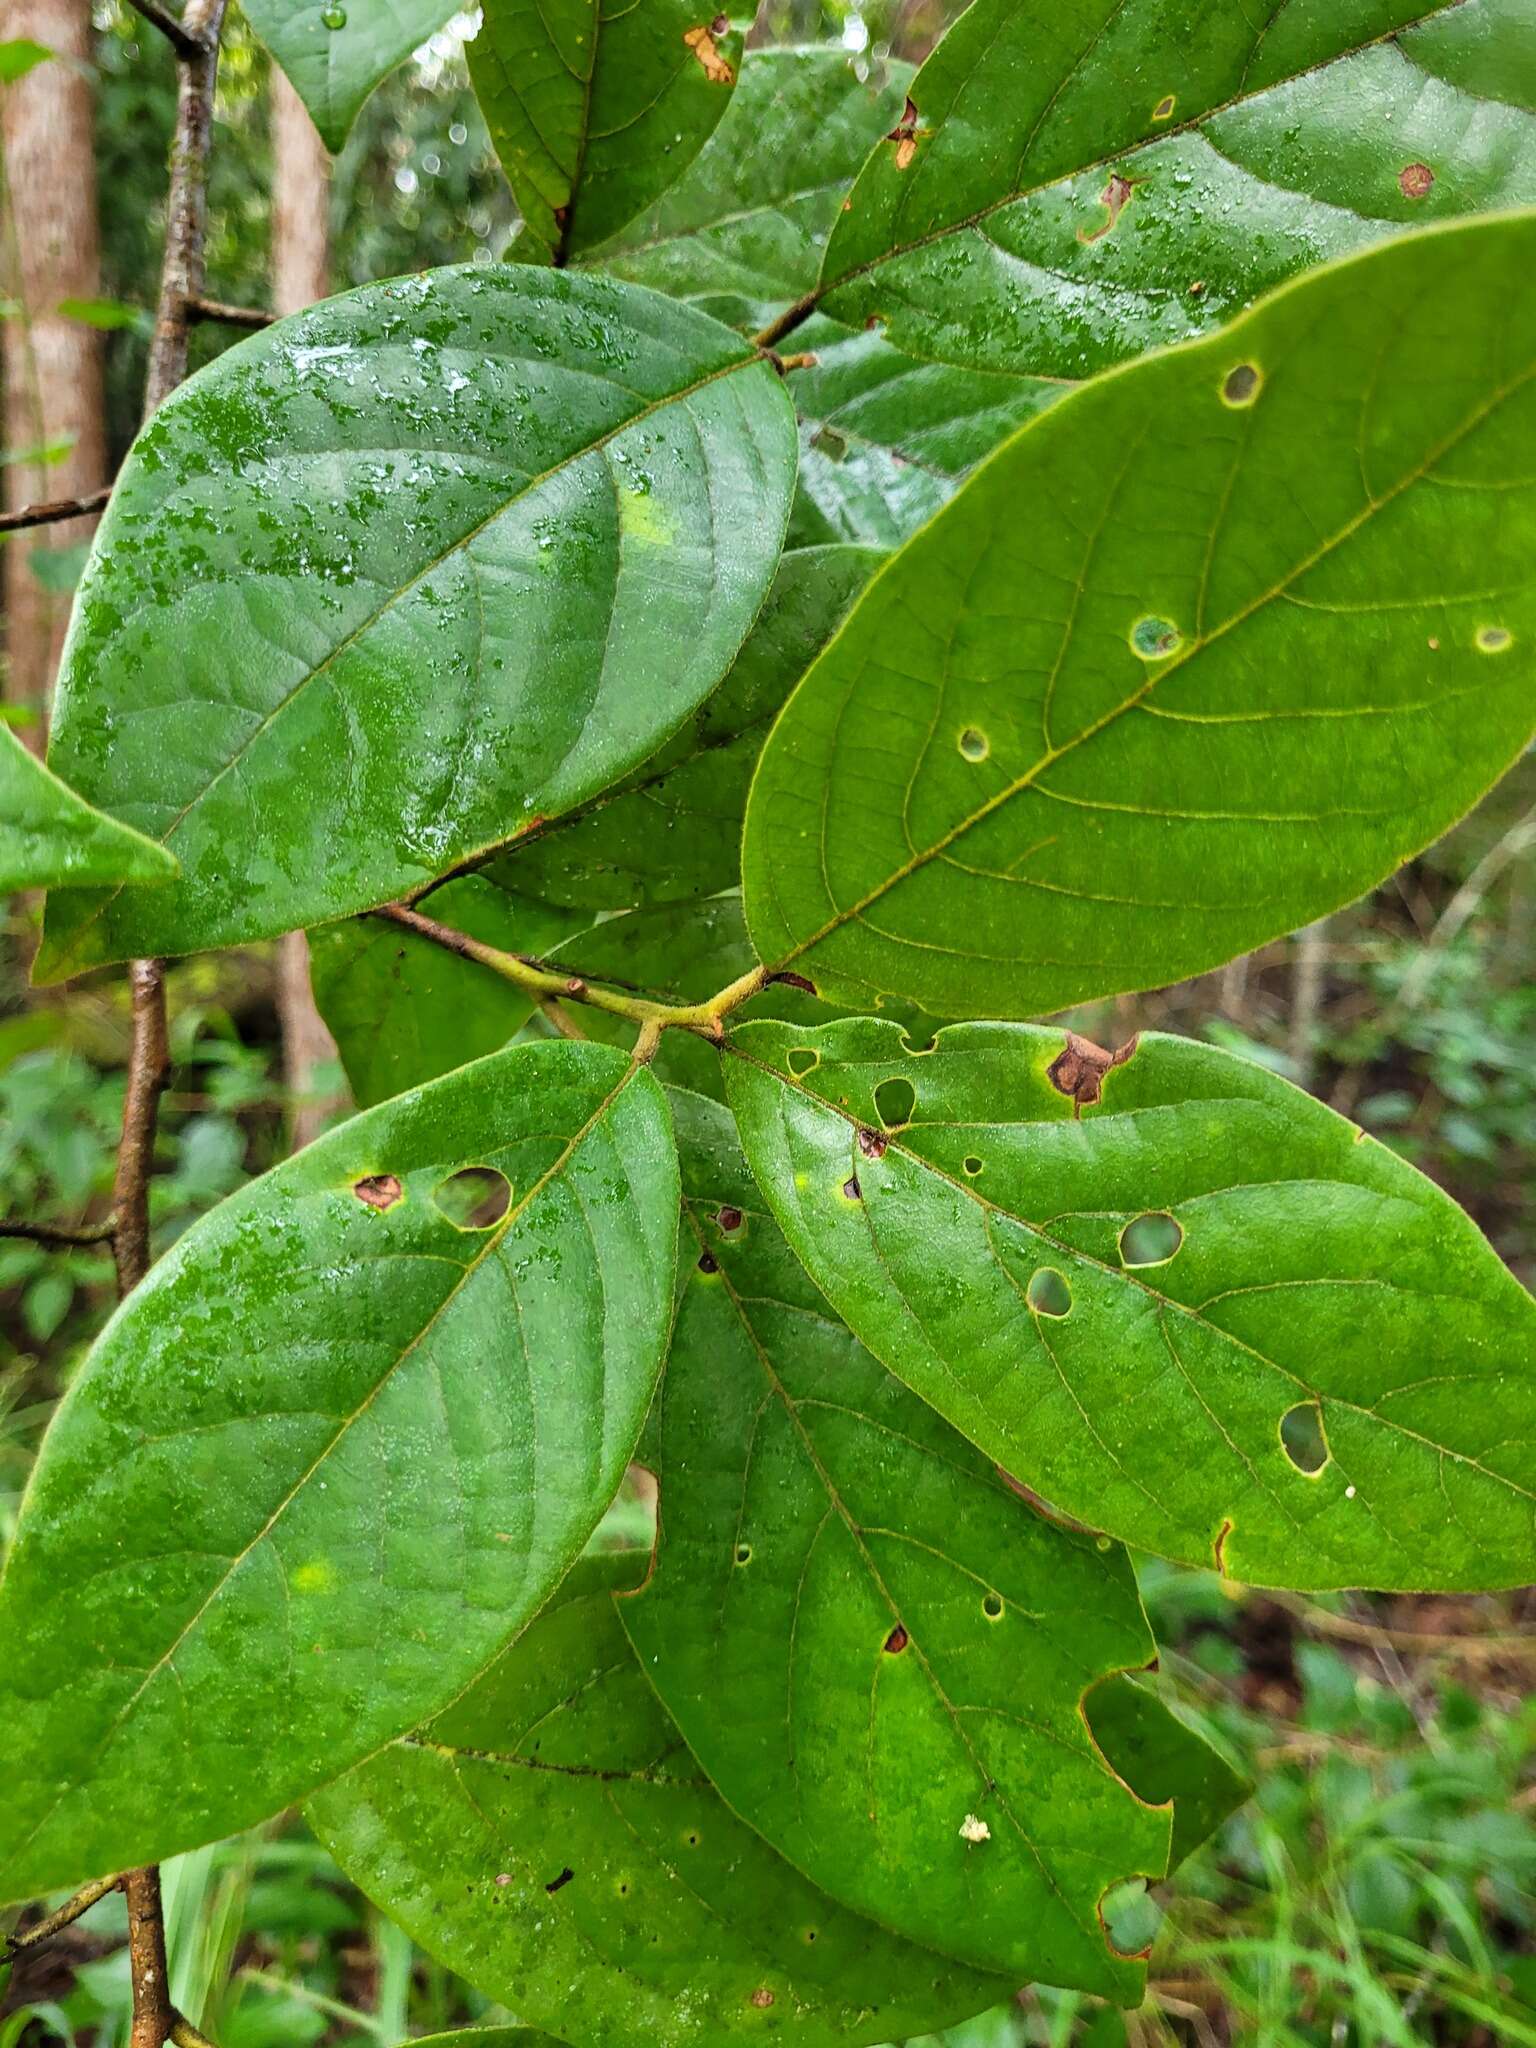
1381, 1885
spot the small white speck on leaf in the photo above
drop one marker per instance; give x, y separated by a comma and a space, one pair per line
974, 1830
1349, 1493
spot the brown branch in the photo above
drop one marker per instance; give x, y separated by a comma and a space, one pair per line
48, 512
62, 1233
230, 316
792, 317
181, 35
183, 269
44, 1930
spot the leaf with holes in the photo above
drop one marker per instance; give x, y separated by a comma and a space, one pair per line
377, 591
1086, 179
596, 107
1275, 636
550, 1838
336, 54
741, 233
1137, 1373
244, 1561
1163, 1759
886, 439
49, 836
876, 1650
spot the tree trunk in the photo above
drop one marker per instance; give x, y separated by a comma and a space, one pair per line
301, 260
53, 378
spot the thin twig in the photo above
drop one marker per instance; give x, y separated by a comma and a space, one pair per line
560, 1018
64, 1916
181, 36
49, 511
149, 1069
1416, 1642
230, 316
184, 264
62, 1233
792, 317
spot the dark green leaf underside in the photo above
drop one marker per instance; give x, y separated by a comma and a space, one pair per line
550, 1838
1161, 1758
330, 1455
376, 591
1275, 636
1313, 1270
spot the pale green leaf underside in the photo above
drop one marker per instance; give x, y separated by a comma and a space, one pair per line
867, 1639
1317, 1271
741, 233
49, 836
1257, 655
1163, 1758
1094, 177
380, 588
333, 70
597, 106
551, 1839
329, 1456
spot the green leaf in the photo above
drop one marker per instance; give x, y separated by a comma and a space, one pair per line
673, 828
1274, 637
330, 1456
49, 836
1086, 179
885, 439
876, 1650
18, 56
741, 233
597, 106
486, 2037
1163, 1759
550, 1838
1018, 1269
336, 51
377, 591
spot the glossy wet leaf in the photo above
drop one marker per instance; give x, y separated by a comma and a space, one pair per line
741, 233
984, 1263
550, 1839
673, 828
885, 439
399, 576
597, 106
336, 51
876, 1650
1275, 636
1088, 179
1162, 1758
48, 835
328, 1457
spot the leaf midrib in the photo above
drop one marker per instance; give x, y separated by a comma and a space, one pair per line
856, 1532
494, 1239
1199, 643
826, 286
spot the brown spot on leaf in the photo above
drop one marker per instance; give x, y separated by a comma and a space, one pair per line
896, 1641
872, 1144
1415, 180
1113, 199
701, 41
904, 135
786, 979
1219, 1547
762, 1997
1078, 1070
504, 1877
729, 1220
556, 1883
708, 1263
378, 1190
852, 1189
1163, 111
